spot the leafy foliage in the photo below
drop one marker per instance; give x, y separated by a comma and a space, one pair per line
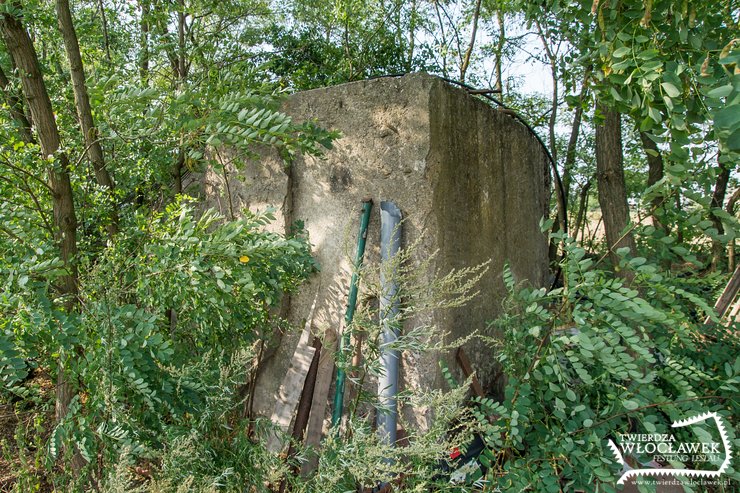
597, 358
144, 370
162, 337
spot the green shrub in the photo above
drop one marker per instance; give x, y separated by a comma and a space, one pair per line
598, 357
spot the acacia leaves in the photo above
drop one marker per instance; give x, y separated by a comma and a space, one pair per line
672, 66
669, 72
607, 358
164, 308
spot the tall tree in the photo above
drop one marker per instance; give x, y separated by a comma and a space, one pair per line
610, 179
655, 174
21, 48
144, 43
465, 64
498, 51
82, 102
718, 199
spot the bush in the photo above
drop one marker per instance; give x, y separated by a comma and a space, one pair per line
598, 357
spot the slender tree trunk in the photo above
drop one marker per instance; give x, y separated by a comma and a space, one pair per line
177, 171
144, 44
82, 102
570, 152
444, 40
346, 45
181, 26
181, 73
21, 48
471, 45
655, 174
718, 199
582, 205
610, 179
499, 51
561, 195
412, 36
575, 132
730, 208
106, 38
16, 108
554, 74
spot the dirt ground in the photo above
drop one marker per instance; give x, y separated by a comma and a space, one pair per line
22, 458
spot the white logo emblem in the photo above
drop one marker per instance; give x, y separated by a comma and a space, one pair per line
669, 449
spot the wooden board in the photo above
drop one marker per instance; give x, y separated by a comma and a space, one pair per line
290, 389
320, 402
727, 296
467, 368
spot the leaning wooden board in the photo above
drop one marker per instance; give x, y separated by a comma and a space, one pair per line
320, 401
290, 389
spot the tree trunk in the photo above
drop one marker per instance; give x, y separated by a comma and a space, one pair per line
575, 132
82, 102
181, 73
561, 196
177, 171
730, 208
106, 38
718, 199
655, 174
444, 40
181, 59
610, 179
469, 52
499, 50
412, 36
582, 205
21, 48
144, 42
16, 109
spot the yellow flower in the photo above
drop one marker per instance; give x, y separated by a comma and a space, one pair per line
244, 259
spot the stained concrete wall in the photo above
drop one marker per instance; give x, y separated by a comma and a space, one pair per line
471, 181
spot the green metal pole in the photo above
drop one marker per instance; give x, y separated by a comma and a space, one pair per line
367, 205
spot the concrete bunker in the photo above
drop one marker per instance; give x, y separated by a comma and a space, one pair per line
472, 183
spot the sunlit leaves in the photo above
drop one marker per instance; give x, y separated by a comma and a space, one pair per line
599, 358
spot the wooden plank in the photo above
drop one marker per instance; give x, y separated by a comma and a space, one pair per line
727, 296
467, 369
292, 385
304, 408
734, 315
304, 405
320, 401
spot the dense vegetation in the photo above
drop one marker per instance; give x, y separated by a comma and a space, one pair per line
122, 371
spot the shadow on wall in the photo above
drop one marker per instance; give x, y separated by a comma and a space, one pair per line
471, 178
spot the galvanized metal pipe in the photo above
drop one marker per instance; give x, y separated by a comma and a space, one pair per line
390, 243
367, 205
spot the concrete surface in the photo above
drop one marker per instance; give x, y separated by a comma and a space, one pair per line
471, 181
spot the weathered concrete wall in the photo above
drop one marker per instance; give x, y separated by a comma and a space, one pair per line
470, 180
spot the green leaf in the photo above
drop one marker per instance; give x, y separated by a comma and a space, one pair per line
727, 117
621, 52
721, 92
630, 405
670, 89
648, 54
733, 142
654, 114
